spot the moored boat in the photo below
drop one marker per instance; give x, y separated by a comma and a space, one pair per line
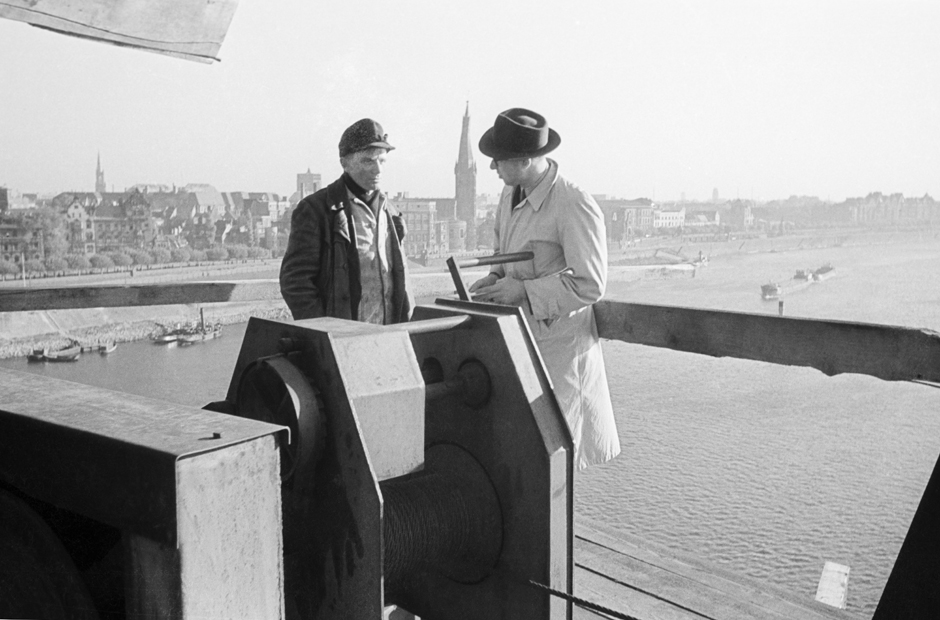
769, 291
170, 335
36, 355
109, 347
69, 353
200, 335
824, 273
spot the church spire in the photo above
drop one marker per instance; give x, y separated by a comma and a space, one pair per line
465, 154
100, 185
466, 176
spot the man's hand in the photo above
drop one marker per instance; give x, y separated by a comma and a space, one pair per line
506, 291
488, 280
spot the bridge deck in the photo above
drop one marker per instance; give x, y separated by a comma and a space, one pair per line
633, 577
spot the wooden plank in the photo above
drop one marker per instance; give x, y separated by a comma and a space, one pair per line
689, 567
833, 347
656, 586
19, 300
644, 580
609, 593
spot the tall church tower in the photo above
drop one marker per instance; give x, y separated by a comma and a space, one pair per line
100, 185
466, 177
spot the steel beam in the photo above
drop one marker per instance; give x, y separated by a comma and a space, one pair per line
111, 296
833, 347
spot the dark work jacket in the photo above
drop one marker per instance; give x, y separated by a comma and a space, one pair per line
320, 269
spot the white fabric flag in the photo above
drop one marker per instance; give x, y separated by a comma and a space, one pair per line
190, 29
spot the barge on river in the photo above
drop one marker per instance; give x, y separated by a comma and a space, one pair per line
800, 280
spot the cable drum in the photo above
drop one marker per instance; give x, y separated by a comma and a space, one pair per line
272, 389
445, 520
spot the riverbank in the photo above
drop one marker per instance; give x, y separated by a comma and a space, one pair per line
54, 329
146, 274
666, 250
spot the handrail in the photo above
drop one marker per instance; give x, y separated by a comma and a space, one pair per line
833, 347
111, 296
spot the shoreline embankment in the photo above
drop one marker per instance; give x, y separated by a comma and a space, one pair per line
642, 251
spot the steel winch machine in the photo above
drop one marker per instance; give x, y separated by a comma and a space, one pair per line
351, 470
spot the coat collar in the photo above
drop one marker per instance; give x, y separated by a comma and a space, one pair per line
538, 195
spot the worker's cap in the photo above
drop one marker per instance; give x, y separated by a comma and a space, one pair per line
361, 135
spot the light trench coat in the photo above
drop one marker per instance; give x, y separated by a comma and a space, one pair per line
563, 227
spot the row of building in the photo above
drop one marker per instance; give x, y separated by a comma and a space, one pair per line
140, 218
199, 216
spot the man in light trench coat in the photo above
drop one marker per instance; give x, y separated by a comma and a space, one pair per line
541, 212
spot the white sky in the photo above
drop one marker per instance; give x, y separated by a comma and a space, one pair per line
652, 98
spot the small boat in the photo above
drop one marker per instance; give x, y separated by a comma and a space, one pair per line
769, 291
109, 347
69, 353
200, 335
824, 273
36, 355
170, 335
803, 274
166, 338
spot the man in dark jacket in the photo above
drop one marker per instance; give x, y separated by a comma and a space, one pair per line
344, 256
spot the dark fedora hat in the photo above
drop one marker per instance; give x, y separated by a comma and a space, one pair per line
519, 133
361, 135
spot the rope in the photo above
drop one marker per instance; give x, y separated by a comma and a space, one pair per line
650, 594
592, 606
580, 602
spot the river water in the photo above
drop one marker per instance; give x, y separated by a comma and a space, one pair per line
767, 471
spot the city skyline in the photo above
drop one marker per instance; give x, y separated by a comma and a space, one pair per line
833, 100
